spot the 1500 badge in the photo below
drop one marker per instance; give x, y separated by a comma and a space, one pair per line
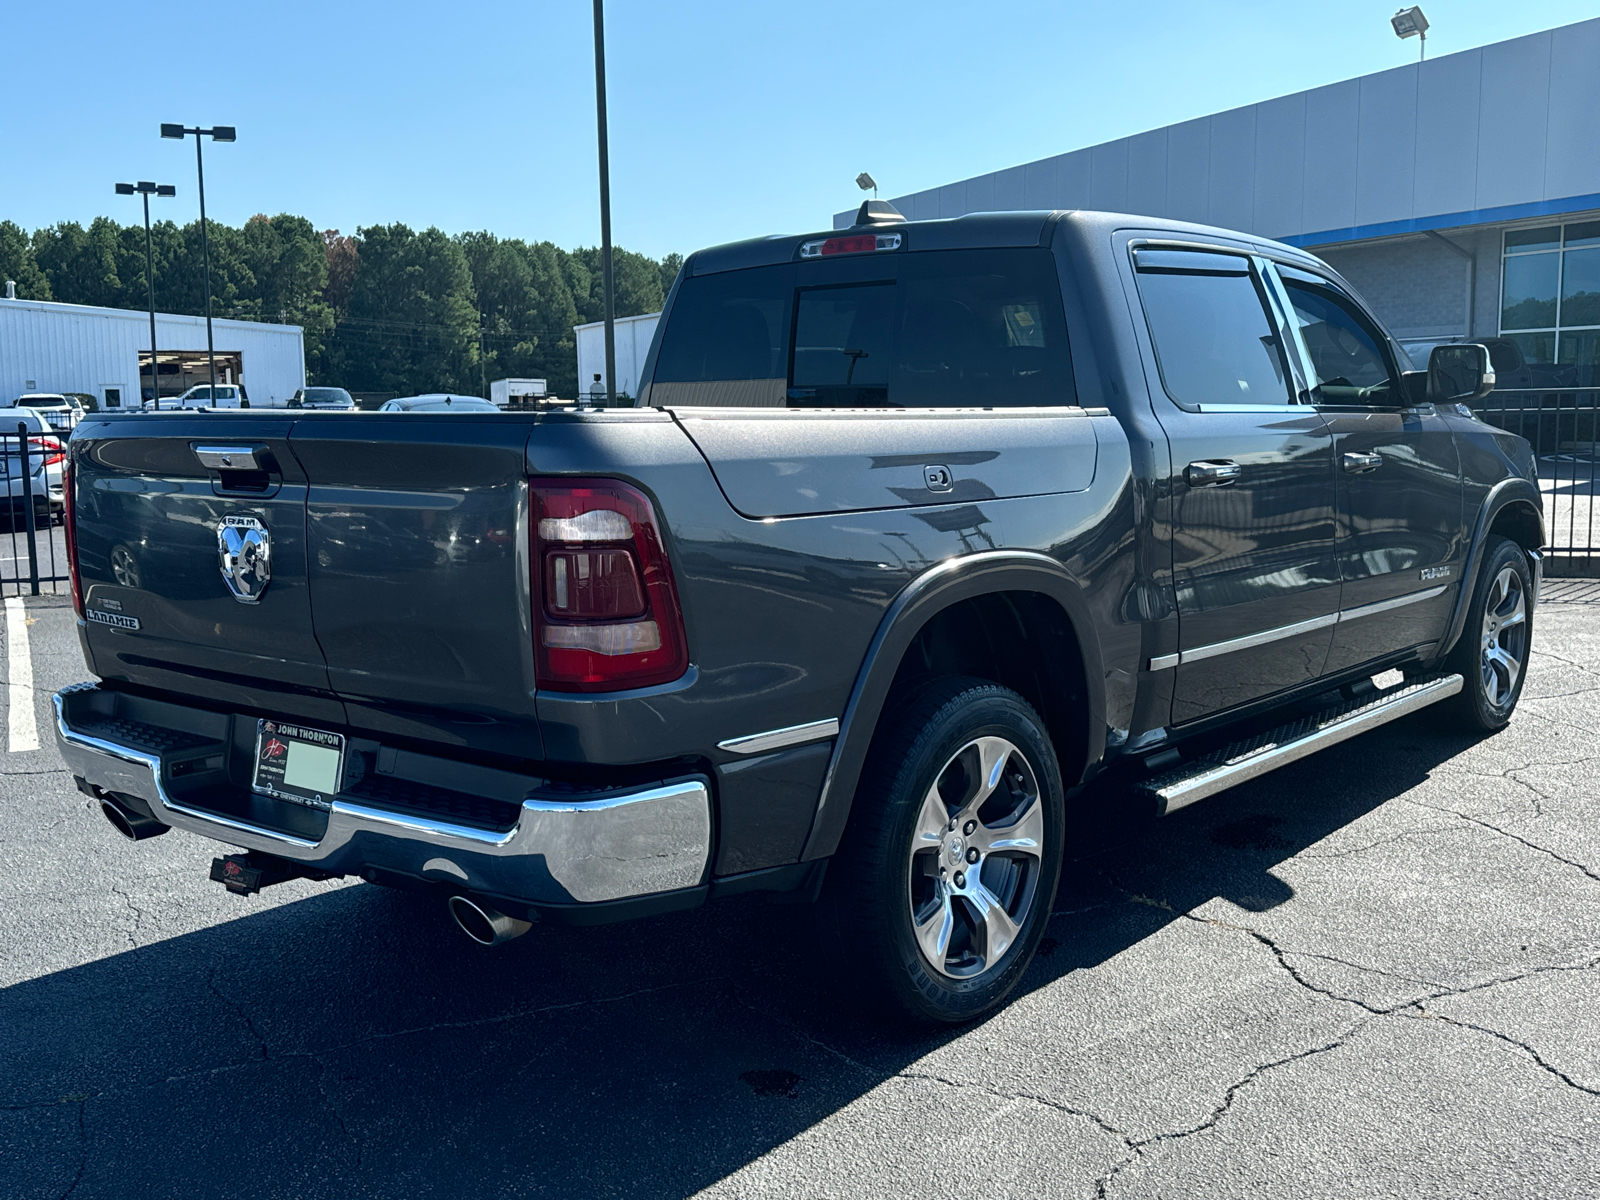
1437, 572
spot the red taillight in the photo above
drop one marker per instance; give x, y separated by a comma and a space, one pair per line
48, 449
605, 609
69, 526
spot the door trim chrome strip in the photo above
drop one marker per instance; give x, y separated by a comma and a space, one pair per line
1267, 636
1366, 610
776, 739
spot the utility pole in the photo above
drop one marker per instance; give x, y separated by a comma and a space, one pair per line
605, 204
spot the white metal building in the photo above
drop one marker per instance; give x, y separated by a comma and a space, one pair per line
633, 344
105, 352
1461, 195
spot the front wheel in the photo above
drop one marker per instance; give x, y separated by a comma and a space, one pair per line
945, 883
1492, 655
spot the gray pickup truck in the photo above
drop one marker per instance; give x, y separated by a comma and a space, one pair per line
917, 529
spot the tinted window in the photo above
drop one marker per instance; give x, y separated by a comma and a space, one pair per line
1213, 340
1347, 361
322, 393
966, 328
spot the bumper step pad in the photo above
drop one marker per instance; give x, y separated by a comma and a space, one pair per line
1252, 757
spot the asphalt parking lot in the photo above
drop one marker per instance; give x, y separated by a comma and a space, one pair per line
1370, 974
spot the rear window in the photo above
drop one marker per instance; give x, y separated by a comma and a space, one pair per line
943, 329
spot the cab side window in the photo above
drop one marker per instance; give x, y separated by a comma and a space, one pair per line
1214, 340
1348, 362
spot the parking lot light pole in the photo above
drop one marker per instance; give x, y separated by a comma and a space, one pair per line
605, 204
147, 189
220, 133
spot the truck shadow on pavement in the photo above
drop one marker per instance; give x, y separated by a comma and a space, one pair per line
356, 1044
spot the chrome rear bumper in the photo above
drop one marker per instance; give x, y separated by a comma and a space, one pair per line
588, 848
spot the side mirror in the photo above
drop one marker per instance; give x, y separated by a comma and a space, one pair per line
1459, 374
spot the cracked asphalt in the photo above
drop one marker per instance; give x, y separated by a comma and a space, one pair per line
1373, 973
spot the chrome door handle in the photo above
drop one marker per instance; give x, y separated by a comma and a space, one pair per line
1359, 463
1212, 472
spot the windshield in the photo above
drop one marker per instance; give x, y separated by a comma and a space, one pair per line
326, 394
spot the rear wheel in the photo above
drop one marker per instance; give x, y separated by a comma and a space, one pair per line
1492, 654
944, 886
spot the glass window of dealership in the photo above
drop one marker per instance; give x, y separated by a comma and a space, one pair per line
1550, 298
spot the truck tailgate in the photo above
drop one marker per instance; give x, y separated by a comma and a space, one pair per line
159, 611
419, 572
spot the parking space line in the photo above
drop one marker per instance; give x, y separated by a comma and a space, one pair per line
23, 729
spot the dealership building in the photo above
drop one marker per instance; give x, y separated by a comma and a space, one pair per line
1460, 196
105, 353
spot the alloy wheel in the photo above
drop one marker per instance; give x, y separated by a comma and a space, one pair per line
1505, 637
975, 858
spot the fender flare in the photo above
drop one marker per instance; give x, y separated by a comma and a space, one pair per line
1515, 490
938, 588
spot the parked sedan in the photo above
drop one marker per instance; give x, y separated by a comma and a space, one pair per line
440, 402
45, 458
335, 399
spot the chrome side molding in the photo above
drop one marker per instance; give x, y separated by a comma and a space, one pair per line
777, 739
1267, 636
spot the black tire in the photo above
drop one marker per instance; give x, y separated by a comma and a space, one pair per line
1491, 655
1003, 859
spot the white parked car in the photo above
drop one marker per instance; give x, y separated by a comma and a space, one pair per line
228, 395
439, 402
46, 455
60, 412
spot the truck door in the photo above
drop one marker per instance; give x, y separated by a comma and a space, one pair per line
1252, 487
1401, 540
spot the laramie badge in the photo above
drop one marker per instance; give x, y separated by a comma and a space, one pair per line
245, 549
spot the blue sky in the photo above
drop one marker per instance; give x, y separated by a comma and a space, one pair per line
727, 119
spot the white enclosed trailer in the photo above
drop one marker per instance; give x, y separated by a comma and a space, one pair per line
516, 393
104, 352
633, 344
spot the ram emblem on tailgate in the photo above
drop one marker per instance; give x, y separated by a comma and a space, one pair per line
245, 549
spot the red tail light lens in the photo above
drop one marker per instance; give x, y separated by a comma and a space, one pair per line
48, 449
605, 608
69, 526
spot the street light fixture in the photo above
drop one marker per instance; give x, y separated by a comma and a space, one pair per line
1409, 22
146, 189
220, 133
866, 182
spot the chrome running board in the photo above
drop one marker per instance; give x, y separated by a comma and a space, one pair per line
1256, 756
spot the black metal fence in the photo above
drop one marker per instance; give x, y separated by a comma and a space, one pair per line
1563, 426
33, 550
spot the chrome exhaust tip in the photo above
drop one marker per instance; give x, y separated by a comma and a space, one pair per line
484, 925
130, 823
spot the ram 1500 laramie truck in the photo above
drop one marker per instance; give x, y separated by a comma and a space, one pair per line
917, 527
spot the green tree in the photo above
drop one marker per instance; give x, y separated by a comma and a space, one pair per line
526, 310
413, 321
638, 283
670, 266
18, 265
80, 263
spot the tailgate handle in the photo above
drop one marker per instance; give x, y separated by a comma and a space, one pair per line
228, 458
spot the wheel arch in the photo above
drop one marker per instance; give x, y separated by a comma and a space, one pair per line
1030, 592
1514, 509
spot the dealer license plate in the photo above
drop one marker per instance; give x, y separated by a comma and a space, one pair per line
303, 766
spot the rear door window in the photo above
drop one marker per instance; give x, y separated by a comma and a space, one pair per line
939, 329
1208, 318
